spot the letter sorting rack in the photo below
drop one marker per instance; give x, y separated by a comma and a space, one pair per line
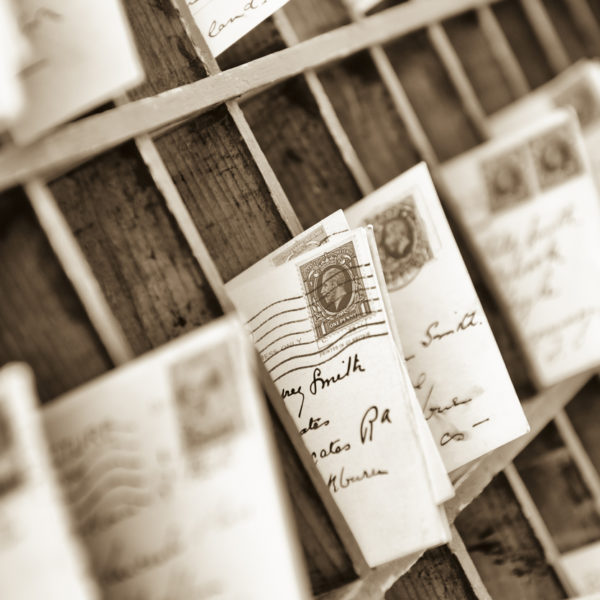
119, 229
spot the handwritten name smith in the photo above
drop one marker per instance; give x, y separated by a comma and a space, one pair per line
320, 382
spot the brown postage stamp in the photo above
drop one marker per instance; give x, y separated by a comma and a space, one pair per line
556, 156
506, 179
335, 289
206, 398
402, 242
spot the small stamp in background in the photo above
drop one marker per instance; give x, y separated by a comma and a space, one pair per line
335, 290
506, 180
206, 400
402, 242
556, 156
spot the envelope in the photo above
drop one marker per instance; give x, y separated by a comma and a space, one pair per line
462, 384
529, 207
35, 528
310, 239
83, 56
170, 472
11, 54
320, 326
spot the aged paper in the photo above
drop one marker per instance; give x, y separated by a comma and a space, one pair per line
320, 327
224, 22
11, 55
530, 208
83, 56
577, 87
464, 390
170, 474
310, 239
39, 557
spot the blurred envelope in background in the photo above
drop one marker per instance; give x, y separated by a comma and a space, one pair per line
83, 56
12, 49
320, 325
577, 87
530, 209
464, 390
39, 556
171, 475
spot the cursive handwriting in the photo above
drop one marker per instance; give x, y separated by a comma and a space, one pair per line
369, 419
344, 481
335, 447
217, 28
440, 410
449, 437
432, 333
294, 392
314, 424
320, 383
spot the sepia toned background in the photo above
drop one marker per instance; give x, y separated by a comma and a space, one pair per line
104, 256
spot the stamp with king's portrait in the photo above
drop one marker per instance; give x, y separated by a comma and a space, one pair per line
506, 179
206, 399
402, 242
335, 289
556, 156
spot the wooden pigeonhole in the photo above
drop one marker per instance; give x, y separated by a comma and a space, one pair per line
118, 231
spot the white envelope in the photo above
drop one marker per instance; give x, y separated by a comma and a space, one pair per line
312, 238
171, 475
83, 56
39, 557
11, 54
461, 381
321, 329
224, 22
530, 208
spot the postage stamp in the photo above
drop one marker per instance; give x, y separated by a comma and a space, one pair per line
506, 179
11, 472
584, 98
335, 289
556, 156
206, 398
402, 242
